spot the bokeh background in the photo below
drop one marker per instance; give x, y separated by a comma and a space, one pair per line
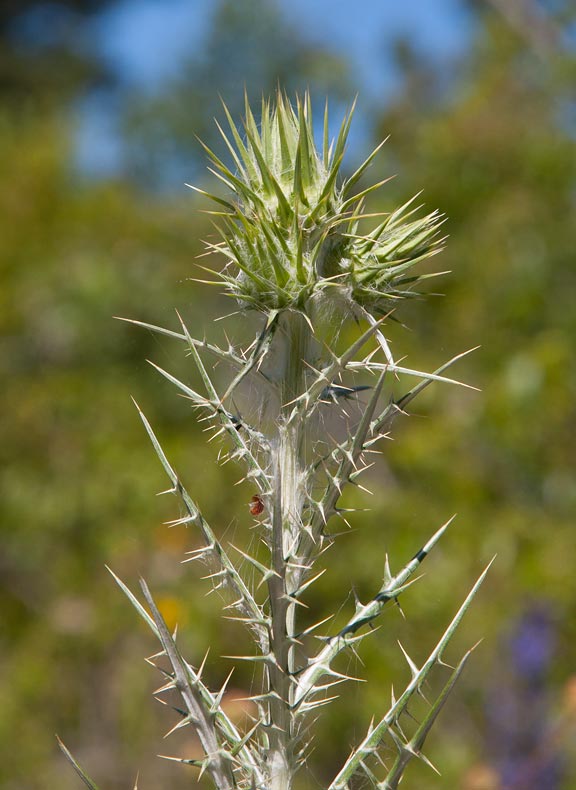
101, 103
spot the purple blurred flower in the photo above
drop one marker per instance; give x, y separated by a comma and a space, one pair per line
533, 643
518, 709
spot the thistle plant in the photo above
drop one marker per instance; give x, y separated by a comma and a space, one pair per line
303, 258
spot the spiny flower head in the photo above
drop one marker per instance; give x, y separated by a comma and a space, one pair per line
291, 230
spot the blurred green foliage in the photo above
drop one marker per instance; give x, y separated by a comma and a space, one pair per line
495, 152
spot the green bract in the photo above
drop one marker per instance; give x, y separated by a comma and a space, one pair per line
293, 228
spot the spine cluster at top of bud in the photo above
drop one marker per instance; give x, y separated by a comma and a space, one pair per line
296, 251
291, 232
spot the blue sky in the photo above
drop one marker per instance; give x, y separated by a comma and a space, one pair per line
145, 42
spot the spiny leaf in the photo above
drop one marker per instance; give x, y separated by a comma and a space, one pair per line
364, 615
372, 741
200, 715
86, 779
414, 746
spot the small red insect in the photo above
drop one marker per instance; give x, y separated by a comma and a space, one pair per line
256, 505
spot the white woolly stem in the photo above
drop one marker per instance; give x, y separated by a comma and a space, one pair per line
288, 497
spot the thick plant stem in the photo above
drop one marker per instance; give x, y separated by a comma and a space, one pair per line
290, 453
298, 345
288, 486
